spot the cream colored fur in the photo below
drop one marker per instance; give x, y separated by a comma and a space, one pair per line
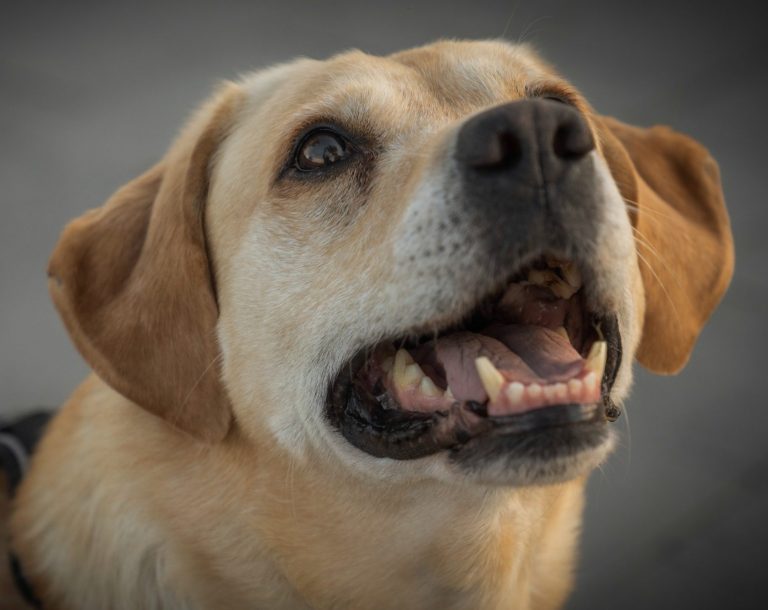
123, 511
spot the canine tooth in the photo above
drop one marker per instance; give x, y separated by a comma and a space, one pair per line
561, 392
413, 374
597, 356
560, 330
534, 391
428, 387
403, 361
490, 377
406, 355
515, 392
575, 387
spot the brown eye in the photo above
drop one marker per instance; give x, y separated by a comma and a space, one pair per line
320, 149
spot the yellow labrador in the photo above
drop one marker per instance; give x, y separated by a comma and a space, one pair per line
358, 338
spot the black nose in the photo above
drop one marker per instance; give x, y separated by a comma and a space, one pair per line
536, 140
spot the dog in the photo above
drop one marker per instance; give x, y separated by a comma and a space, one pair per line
358, 339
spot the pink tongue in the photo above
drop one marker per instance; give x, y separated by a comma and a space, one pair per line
524, 353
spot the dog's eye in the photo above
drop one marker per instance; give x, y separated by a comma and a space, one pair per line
556, 98
320, 149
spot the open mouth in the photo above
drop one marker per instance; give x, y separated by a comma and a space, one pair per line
530, 361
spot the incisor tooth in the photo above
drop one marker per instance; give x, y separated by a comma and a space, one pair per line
574, 389
515, 392
490, 377
561, 392
428, 387
534, 391
596, 357
549, 393
449, 395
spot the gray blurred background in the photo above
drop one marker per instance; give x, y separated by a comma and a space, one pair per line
92, 93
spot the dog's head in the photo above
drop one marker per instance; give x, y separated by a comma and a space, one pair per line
437, 263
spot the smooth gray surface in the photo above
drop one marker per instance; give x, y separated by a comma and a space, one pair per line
91, 94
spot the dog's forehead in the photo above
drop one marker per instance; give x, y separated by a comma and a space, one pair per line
440, 81
462, 72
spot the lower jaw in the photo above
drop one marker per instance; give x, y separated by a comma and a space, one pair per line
551, 445
551, 432
542, 456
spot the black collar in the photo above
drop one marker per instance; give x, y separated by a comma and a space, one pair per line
22, 584
17, 441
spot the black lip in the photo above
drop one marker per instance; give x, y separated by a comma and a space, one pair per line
464, 428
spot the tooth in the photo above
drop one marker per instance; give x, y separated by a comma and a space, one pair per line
400, 370
429, 388
596, 357
551, 280
572, 274
560, 330
413, 374
490, 377
590, 384
449, 395
515, 392
534, 391
561, 393
563, 290
542, 277
549, 393
575, 387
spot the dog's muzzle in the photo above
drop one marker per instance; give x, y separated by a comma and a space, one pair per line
528, 368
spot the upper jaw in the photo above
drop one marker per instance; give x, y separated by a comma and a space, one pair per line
380, 420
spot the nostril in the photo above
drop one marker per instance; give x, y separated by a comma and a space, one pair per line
572, 140
501, 150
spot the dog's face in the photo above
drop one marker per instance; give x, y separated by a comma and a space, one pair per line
429, 264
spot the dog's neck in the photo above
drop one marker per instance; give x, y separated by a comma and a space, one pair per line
431, 544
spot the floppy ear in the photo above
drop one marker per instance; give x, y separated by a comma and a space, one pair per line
682, 232
133, 284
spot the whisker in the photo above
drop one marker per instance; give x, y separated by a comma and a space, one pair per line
633, 205
199, 379
528, 28
642, 240
661, 284
509, 21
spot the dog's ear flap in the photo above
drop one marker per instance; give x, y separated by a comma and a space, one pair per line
133, 283
682, 232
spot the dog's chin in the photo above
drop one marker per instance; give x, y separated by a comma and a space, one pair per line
517, 392
541, 457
